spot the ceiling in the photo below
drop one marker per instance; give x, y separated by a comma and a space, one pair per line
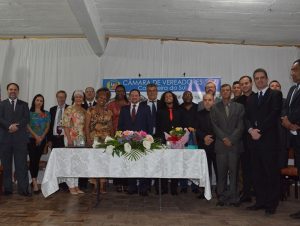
263, 22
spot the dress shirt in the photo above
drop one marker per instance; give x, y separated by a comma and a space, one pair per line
56, 122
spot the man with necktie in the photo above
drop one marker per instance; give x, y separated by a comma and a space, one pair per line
227, 118
14, 117
136, 117
291, 117
262, 114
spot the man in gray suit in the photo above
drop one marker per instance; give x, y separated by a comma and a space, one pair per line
227, 122
14, 117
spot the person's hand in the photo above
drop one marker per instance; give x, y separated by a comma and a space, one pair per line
191, 129
49, 143
255, 134
208, 140
285, 122
38, 140
13, 128
227, 142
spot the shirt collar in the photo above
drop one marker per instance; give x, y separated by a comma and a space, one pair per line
263, 90
15, 100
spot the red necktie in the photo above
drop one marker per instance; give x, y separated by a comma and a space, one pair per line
133, 113
171, 114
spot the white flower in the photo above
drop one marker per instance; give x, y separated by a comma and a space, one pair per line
127, 147
147, 144
109, 149
108, 138
149, 138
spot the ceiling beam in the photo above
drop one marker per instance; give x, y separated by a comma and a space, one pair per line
88, 18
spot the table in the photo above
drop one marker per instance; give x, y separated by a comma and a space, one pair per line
95, 163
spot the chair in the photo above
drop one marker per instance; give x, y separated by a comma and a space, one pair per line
289, 176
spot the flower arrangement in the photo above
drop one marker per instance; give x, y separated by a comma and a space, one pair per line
131, 144
177, 138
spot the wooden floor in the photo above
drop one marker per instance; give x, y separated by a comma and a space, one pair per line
120, 209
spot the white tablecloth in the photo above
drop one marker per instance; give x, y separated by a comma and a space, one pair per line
85, 162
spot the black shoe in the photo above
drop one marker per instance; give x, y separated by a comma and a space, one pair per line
245, 199
235, 204
7, 193
131, 192
220, 203
201, 196
295, 215
174, 193
269, 212
37, 192
25, 193
255, 207
144, 193
183, 190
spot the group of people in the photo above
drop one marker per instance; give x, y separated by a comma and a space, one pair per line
251, 131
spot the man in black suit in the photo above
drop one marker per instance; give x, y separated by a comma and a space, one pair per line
14, 117
136, 117
206, 136
154, 105
291, 117
89, 100
262, 114
246, 87
56, 133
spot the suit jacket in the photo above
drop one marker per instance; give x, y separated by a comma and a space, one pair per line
8, 117
86, 106
158, 107
53, 111
292, 111
163, 123
265, 116
231, 127
142, 121
203, 128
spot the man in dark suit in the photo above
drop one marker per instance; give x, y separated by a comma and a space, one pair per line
14, 117
89, 99
262, 114
246, 195
154, 105
56, 133
291, 117
136, 117
228, 125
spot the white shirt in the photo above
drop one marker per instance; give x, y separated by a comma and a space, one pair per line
149, 103
15, 102
263, 91
55, 121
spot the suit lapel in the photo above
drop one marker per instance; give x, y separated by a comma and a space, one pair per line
296, 95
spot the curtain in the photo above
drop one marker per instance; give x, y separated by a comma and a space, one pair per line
47, 65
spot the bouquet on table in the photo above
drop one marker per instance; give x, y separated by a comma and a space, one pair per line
177, 138
131, 144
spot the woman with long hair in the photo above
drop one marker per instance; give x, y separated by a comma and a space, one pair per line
73, 123
115, 106
168, 116
38, 128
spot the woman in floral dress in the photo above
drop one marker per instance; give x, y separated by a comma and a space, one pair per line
73, 124
99, 125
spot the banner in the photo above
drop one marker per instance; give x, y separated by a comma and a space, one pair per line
176, 85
